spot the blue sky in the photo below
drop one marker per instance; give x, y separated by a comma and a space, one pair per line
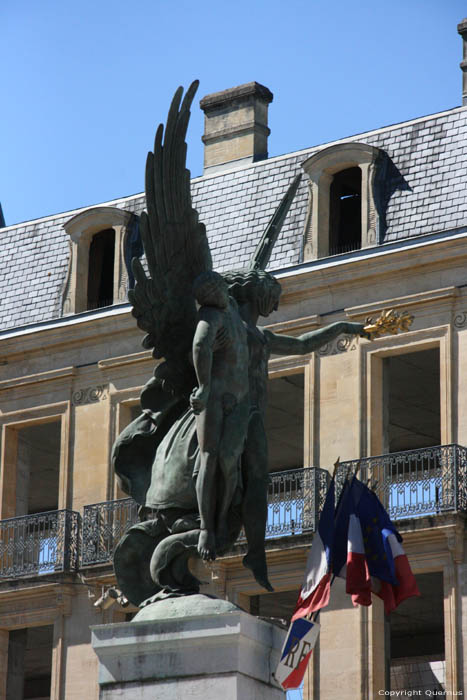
85, 84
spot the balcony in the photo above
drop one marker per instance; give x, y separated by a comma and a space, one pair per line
295, 499
415, 483
410, 484
43, 543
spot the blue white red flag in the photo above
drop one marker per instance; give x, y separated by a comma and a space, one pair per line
315, 591
375, 560
296, 652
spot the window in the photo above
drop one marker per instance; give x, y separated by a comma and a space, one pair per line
30, 663
38, 468
343, 213
417, 655
102, 242
284, 422
101, 269
411, 395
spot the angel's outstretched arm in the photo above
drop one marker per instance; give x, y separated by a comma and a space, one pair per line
308, 342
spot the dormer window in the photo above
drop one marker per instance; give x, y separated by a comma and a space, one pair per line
342, 213
97, 274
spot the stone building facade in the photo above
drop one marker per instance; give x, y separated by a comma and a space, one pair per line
379, 221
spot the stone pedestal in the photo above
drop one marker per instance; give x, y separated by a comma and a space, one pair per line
172, 652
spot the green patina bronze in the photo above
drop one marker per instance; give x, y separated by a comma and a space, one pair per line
196, 458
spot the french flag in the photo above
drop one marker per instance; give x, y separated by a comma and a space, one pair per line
317, 584
393, 594
357, 574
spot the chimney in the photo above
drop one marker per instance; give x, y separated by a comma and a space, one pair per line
235, 126
462, 29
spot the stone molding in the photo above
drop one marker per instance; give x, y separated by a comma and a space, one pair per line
218, 99
123, 360
431, 297
91, 394
305, 324
341, 344
38, 377
35, 605
460, 319
289, 364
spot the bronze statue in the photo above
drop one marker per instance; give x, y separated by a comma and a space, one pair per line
196, 458
221, 406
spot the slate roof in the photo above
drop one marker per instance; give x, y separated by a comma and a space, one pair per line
430, 153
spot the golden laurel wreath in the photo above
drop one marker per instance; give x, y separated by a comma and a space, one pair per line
389, 322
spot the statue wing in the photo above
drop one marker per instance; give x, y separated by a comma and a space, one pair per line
176, 248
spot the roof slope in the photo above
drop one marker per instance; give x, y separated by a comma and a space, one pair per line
430, 153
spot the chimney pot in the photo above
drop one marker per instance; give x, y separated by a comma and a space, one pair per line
462, 29
235, 126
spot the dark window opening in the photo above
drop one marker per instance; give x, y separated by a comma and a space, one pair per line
38, 468
412, 400
101, 269
30, 663
284, 422
416, 631
276, 605
345, 211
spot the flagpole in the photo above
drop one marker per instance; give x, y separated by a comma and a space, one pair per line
313, 617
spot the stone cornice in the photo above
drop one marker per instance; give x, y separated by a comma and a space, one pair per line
217, 100
50, 375
302, 325
123, 360
34, 603
404, 302
371, 270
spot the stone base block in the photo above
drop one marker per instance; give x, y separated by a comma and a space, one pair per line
225, 656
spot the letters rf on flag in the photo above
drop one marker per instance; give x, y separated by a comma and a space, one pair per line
296, 652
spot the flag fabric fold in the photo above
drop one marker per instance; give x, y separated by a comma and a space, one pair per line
375, 560
357, 574
406, 587
315, 591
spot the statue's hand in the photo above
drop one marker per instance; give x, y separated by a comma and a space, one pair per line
357, 329
198, 399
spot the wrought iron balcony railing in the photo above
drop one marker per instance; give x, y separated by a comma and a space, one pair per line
103, 526
413, 483
295, 498
43, 543
410, 484
426, 481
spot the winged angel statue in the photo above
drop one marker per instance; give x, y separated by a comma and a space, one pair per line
195, 460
